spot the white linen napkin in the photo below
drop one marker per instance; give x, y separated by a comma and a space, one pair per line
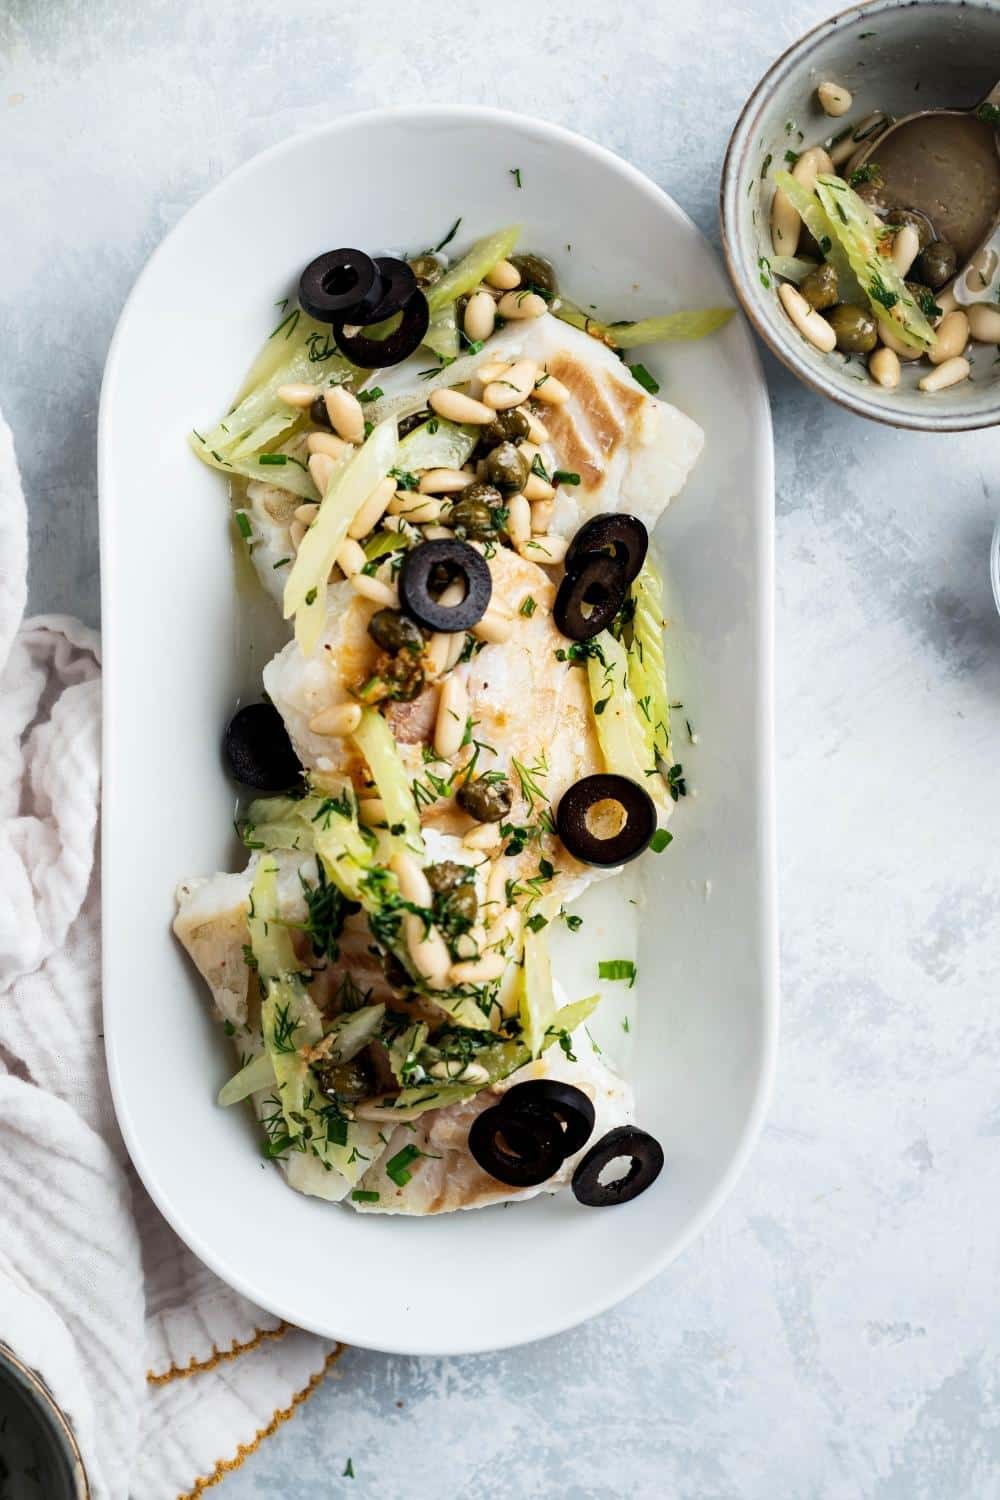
168, 1377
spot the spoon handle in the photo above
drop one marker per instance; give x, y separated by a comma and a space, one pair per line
990, 103
979, 280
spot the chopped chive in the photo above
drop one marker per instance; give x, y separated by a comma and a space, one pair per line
528, 607
566, 476
646, 380
617, 968
311, 596
243, 525
515, 172
661, 838
362, 1195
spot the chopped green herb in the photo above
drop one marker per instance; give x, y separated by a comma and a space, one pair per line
375, 394
676, 784
764, 267
617, 968
349, 1466
537, 922
573, 922
398, 1166
515, 172
791, 156
229, 1028
646, 380
764, 165
311, 596
448, 237
538, 468
528, 607
870, 171
404, 479
243, 525
278, 459
566, 476
989, 114
281, 563
362, 1195
626, 1026
661, 838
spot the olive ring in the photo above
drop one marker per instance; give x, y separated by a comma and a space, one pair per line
377, 354
621, 537
338, 283
589, 598
459, 559
645, 1158
630, 840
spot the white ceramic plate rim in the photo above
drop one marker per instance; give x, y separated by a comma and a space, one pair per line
764, 731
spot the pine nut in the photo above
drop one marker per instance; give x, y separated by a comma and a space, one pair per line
350, 557
834, 100
307, 513
456, 645
373, 588
950, 373
416, 507
296, 394
517, 306
371, 812
453, 710
322, 468
550, 390
436, 654
496, 888
503, 276
456, 1070
493, 627
891, 341
541, 516
455, 407
537, 431
538, 489
515, 386
810, 164
427, 949
444, 481
883, 367
785, 225
478, 970
484, 836
413, 883
295, 534
905, 248
373, 509
438, 534
530, 450
325, 442
952, 337
492, 369
518, 519
342, 719
346, 417
545, 549
809, 322
984, 323
480, 316
947, 302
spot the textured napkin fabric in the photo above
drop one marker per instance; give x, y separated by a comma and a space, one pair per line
168, 1377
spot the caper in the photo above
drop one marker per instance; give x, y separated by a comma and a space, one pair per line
485, 799
319, 415
819, 288
855, 327
510, 426
350, 1080
415, 419
924, 298
399, 678
898, 217
427, 269
936, 264
536, 273
507, 468
472, 513
460, 907
447, 875
394, 631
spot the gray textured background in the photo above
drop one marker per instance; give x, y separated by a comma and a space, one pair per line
835, 1333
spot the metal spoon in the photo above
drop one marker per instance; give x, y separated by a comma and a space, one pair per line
945, 164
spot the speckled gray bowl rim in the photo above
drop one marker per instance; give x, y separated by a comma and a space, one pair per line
55, 1423
733, 171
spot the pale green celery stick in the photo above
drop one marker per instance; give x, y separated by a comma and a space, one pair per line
353, 1031
816, 219
349, 488
647, 672
257, 1074
403, 1049
442, 333
288, 476
860, 234
670, 328
467, 273
436, 444
373, 738
537, 1005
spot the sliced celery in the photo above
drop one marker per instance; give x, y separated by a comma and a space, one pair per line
436, 444
409, 1104
373, 738
794, 268
349, 488
537, 1003
352, 1031
860, 235
617, 715
442, 333
290, 475
670, 328
466, 274
403, 1050
257, 1074
647, 672
816, 219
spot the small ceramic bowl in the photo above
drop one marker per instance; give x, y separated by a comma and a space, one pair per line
39, 1456
896, 57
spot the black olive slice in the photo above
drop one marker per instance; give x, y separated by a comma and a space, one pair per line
631, 838
378, 354
398, 286
520, 1150
340, 284
627, 1142
622, 537
568, 1106
457, 560
258, 750
588, 600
